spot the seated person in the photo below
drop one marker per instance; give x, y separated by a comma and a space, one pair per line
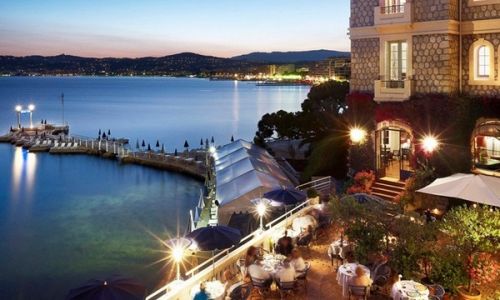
286, 273
202, 294
297, 261
305, 237
251, 256
284, 246
256, 271
232, 285
360, 279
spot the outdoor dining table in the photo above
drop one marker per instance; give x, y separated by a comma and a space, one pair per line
272, 262
346, 272
215, 290
409, 290
338, 248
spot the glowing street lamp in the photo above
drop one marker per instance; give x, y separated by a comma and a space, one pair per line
429, 144
261, 211
357, 135
177, 248
19, 108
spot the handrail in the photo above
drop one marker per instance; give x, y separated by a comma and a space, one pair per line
258, 236
286, 215
313, 183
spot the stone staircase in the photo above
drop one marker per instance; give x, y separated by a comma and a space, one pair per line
387, 189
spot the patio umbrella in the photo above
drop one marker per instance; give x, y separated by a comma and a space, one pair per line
213, 238
475, 188
285, 196
115, 287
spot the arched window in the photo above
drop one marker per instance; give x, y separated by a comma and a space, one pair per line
483, 61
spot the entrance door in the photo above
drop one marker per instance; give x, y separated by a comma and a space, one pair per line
393, 153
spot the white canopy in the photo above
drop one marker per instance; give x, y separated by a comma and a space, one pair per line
243, 172
475, 188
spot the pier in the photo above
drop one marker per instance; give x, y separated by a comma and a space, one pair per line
56, 140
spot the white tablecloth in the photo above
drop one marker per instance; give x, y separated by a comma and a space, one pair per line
272, 262
409, 290
336, 249
301, 223
346, 272
215, 290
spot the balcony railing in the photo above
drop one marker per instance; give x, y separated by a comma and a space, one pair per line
393, 90
393, 14
392, 9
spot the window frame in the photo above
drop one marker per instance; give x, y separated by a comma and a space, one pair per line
474, 64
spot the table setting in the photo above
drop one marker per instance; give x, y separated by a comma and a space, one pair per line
409, 290
346, 272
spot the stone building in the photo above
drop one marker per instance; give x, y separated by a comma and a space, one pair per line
403, 48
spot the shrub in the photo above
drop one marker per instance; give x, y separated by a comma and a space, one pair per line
363, 182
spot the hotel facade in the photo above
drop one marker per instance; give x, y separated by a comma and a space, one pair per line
401, 49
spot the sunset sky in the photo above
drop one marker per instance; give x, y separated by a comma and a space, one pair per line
123, 28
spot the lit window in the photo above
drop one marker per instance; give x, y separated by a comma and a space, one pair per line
483, 61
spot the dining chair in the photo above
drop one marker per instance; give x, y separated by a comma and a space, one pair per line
302, 276
359, 291
260, 285
286, 287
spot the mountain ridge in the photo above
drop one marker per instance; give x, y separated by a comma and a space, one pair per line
290, 56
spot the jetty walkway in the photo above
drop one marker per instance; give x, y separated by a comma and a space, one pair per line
57, 141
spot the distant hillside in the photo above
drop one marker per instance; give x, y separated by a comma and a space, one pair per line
177, 64
290, 57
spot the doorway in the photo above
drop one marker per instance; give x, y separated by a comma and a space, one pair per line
394, 149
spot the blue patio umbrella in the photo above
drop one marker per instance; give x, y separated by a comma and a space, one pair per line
285, 196
115, 287
213, 238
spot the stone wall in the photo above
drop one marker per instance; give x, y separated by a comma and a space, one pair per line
365, 64
435, 63
362, 12
434, 10
479, 12
480, 90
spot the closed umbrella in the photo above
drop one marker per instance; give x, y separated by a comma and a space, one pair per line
113, 288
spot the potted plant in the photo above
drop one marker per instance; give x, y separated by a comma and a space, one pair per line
472, 231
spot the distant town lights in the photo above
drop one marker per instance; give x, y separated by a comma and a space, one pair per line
430, 143
357, 135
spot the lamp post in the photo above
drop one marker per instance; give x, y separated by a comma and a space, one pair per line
177, 248
31, 108
19, 108
261, 211
357, 136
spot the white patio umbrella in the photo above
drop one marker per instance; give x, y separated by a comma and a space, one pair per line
475, 188
201, 201
191, 219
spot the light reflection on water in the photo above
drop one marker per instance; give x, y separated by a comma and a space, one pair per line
23, 172
65, 219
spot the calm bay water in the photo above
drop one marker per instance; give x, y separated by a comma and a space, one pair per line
66, 219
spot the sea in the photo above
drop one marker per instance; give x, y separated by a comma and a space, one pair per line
65, 219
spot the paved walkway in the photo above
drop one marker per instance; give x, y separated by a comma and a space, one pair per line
322, 283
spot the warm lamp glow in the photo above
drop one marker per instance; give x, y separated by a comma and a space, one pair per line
31, 107
19, 108
429, 143
211, 149
357, 135
261, 209
177, 254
